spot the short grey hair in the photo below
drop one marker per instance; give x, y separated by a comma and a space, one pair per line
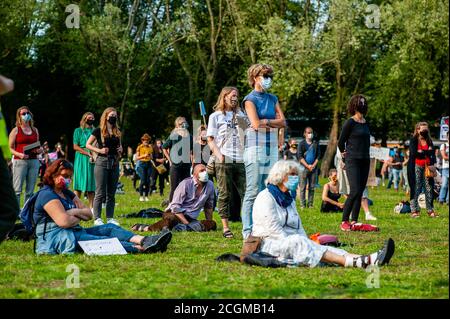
280, 170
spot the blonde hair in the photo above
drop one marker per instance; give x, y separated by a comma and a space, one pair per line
256, 70
84, 119
19, 120
104, 119
179, 120
220, 104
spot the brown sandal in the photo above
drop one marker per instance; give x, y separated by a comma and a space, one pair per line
140, 227
228, 234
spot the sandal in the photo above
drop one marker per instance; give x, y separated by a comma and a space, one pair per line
139, 227
433, 214
228, 234
415, 214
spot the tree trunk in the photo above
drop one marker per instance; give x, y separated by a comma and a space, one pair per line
328, 158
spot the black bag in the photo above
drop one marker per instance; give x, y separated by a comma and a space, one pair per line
145, 213
263, 260
19, 232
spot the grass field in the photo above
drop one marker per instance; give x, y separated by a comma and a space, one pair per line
419, 268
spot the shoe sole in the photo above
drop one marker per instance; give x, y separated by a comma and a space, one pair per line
388, 250
161, 244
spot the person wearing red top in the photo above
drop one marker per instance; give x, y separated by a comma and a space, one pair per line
25, 166
421, 152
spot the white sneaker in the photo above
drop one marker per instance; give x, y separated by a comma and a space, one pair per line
98, 222
113, 221
146, 199
369, 216
141, 199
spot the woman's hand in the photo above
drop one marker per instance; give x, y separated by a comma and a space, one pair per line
104, 151
23, 156
119, 149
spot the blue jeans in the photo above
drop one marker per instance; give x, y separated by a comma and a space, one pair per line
443, 194
396, 176
257, 166
105, 232
145, 173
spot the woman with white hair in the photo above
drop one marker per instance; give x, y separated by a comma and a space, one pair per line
277, 223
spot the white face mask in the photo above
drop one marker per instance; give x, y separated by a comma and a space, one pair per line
310, 136
203, 177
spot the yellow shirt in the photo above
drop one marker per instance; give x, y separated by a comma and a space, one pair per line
144, 150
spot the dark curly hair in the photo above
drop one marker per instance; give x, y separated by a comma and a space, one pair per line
54, 170
357, 103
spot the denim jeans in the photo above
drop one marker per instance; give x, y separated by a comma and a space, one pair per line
396, 176
145, 174
105, 232
25, 170
443, 194
258, 162
106, 178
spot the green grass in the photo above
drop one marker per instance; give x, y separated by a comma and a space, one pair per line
419, 268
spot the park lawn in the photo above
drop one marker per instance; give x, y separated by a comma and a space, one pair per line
419, 268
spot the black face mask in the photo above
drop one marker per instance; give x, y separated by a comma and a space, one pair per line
362, 106
424, 133
90, 122
112, 120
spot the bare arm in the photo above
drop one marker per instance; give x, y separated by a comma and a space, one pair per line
214, 148
6, 85
182, 218
444, 154
208, 213
90, 146
167, 154
62, 218
280, 120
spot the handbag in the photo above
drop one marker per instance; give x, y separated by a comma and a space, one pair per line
94, 156
161, 168
430, 173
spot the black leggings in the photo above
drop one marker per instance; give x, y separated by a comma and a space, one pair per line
177, 174
357, 174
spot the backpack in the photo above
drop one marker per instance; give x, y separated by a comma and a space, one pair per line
27, 213
402, 208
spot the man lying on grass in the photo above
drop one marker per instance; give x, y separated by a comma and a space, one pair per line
58, 212
191, 196
277, 223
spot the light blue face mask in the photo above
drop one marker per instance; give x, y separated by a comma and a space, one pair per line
266, 83
26, 117
292, 183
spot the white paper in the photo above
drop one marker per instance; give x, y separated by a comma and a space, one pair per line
102, 247
379, 153
444, 128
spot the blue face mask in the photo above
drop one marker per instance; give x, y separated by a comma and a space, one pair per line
266, 83
26, 117
292, 183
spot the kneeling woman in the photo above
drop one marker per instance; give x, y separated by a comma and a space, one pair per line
276, 221
331, 195
58, 212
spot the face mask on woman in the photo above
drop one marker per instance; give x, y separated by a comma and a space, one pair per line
112, 120
89, 122
64, 183
424, 133
292, 182
26, 117
266, 83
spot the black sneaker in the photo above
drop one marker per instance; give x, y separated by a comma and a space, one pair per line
385, 253
156, 243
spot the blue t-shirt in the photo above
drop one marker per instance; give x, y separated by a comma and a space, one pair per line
47, 194
265, 104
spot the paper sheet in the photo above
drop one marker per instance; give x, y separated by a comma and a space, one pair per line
102, 247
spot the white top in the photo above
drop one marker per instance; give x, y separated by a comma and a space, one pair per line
226, 134
283, 235
272, 220
442, 148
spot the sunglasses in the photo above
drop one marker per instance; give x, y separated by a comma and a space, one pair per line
266, 76
66, 164
25, 113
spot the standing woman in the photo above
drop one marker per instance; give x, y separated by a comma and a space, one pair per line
106, 171
144, 154
25, 167
83, 175
178, 150
158, 159
224, 141
421, 154
261, 147
354, 144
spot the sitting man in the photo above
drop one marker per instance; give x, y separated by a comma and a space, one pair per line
191, 196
